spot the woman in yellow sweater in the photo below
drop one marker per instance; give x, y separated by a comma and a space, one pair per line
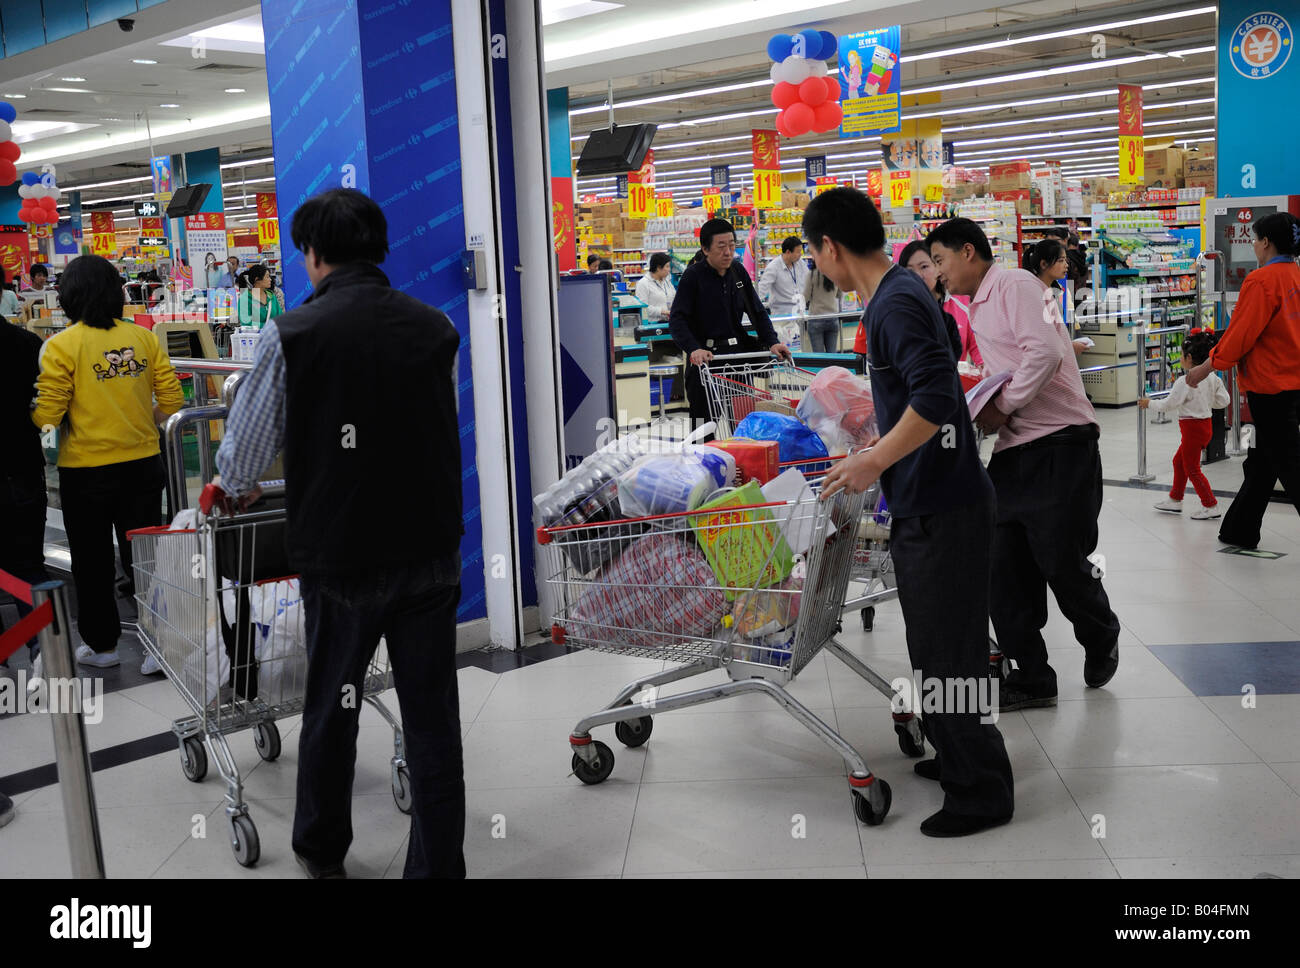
100, 378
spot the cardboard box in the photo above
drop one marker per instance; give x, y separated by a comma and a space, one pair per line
1013, 195
1196, 167
1009, 182
1208, 183
1164, 163
604, 210
1007, 168
756, 460
633, 240
801, 199
633, 224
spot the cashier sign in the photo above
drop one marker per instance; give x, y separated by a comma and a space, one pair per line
1261, 45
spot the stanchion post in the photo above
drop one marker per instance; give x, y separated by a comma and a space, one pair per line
1141, 477
71, 752
1235, 394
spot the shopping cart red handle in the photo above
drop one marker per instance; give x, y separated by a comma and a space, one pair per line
214, 496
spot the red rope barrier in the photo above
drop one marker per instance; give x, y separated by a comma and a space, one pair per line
26, 627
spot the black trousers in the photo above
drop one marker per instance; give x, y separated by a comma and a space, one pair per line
942, 562
415, 609
1273, 456
1049, 496
96, 502
22, 531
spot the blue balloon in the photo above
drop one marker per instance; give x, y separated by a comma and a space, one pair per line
31, 177
778, 48
830, 45
7, 112
812, 43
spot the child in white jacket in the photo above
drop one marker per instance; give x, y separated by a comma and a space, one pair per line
1193, 407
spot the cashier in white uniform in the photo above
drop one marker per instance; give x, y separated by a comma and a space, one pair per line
781, 284
655, 288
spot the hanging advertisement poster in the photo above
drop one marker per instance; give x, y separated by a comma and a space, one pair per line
870, 82
161, 168
204, 233
1131, 149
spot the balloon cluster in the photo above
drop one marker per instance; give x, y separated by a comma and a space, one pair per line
40, 197
807, 95
9, 150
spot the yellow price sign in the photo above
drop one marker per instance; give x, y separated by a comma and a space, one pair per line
268, 231
664, 205
103, 244
934, 193
1131, 160
767, 188
825, 184
712, 201
900, 189
640, 201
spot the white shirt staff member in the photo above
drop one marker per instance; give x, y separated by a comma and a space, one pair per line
781, 283
655, 288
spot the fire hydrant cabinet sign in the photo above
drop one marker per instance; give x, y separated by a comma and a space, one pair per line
869, 82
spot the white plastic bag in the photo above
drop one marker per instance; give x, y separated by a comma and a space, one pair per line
674, 483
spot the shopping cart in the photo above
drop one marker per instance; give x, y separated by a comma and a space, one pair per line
225, 622
753, 589
741, 383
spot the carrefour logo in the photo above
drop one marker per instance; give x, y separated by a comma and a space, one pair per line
1261, 45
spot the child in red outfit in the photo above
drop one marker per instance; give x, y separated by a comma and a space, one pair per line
1193, 407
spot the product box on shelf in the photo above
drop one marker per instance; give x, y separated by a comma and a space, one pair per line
1207, 184
1202, 167
1010, 182
1008, 168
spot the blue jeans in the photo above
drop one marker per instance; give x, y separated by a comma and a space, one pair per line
414, 608
824, 334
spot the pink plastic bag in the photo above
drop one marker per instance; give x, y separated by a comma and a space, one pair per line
839, 407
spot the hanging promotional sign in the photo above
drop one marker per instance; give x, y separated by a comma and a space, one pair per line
268, 233
712, 201
869, 82
640, 200
161, 168
900, 189
720, 176
814, 169
563, 224
620, 186
204, 233
645, 175
65, 239
767, 188
825, 184
664, 204
266, 205
767, 149
101, 223
875, 183
1130, 135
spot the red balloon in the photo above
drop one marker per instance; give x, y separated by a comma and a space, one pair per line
48, 203
9, 150
24, 215
783, 95
832, 87
799, 119
827, 116
812, 91
8, 173
779, 124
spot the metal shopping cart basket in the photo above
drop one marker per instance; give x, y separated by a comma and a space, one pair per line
225, 622
737, 385
754, 589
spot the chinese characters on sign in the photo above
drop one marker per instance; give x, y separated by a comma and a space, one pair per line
869, 82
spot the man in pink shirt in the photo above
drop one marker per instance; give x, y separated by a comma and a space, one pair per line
1046, 468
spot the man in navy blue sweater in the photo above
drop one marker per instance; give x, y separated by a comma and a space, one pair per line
941, 500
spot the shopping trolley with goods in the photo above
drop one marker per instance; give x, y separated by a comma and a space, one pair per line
223, 618
754, 589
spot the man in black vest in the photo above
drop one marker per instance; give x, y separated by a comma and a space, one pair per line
358, 376
714, 292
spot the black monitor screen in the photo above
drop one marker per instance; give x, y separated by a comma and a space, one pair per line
188, 200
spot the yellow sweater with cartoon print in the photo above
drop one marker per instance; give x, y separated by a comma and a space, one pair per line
105, 382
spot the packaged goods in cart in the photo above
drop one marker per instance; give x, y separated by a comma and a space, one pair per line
764, 612
794, 440
658, 593
745, 547
674, 483
588, 494
796, 520
839, 407
756, 460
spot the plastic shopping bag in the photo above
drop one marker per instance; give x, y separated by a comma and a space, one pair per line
794, 441
280, 644
660, 592
674, 483
761, 613
745, 547
839, 407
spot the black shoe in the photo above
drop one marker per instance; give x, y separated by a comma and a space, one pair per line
1234, 542
1098, 671
319, 873
927, 769
6, 809
1013, 696
945, 824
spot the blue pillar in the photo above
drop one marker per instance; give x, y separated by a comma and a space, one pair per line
363, 95
10, 203
1258, 76
205, 166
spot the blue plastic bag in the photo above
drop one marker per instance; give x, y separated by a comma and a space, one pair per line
794, 440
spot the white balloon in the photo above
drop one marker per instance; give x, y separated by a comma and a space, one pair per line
796, 69
6, 133
777, 74
56, 193
25, 191
38, 190
817, 68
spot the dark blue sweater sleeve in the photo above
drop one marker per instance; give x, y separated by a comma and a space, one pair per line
919, 350
679, 318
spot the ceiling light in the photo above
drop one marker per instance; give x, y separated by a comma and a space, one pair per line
1059, 69
169, 105
14, 97
249, 161
234, 90
107, 184
110, 119
69, 90
143, 60
73, 80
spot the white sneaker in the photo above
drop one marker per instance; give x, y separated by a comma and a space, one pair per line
1207, 514
83, 652
150, 666
36, 682
1169, 505
101, 660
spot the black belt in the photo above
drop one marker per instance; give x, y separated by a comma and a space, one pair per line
1076, 434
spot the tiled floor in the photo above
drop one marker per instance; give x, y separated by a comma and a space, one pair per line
1186, 765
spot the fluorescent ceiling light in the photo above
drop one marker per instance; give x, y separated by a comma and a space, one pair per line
73, 80
106, 184
169, 105
142, 60
697, 92
250, 181
249, 161
14, 97
234, 90
558, 11
27, 131
1060, 69
243, 36
69, 90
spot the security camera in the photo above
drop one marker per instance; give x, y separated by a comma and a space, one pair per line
126, 25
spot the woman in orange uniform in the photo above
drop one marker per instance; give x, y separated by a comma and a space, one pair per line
1263, 342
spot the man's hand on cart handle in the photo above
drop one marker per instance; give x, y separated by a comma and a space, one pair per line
781, 351
700, 357
853, 474
214, 495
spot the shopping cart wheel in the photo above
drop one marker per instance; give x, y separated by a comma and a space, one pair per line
868, 618
999, 664
244, 840
873, 814
266, 737
194, 759
402, 788
603, 767
910, 739
633, 732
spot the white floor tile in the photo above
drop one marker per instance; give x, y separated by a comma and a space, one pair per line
1208, 868
1140, 675
1157, 624
1224, 810
529, 753
1285, 610
812, 873
543, 691
1271, 729
999, 870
